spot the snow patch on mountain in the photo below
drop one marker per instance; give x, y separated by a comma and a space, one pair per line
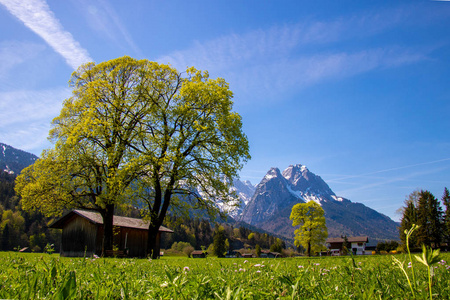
340, 199
245, 191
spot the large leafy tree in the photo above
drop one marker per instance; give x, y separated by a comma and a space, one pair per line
312, 231
194, 146
140, 131
94, 158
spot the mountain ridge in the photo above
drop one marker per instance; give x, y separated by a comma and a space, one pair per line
268, 204
277, 192
13, 160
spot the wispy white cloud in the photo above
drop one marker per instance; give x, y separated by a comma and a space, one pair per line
365, 175
37, 16
25, 116
103, 18
389, 180
15, 53
268, 63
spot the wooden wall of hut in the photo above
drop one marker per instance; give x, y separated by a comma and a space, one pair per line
135, 240
79, 238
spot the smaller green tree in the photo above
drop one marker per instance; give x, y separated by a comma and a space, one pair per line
346, 245
251, 238
220, 242
312, 231
258, 250
277, 246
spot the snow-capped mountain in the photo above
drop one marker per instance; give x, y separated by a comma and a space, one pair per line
271, 205
244, 190
13, 160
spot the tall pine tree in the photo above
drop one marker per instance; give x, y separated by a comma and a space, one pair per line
446, 221
409, 218
429, 218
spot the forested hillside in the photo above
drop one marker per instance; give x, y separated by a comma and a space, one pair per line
19, 229
200, 233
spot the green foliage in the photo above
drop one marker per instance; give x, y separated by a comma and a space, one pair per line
423, 209
258, 250
142, 132
220, 242
182, 247
387, 246
277, 246
409, 217
429, 258
193, 144
429, 215
312, 232
446, 221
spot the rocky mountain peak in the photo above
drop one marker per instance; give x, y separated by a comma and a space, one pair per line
272, 173
307, 183
271, 205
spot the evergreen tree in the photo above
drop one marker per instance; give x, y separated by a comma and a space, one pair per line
277, 246
409, 218
219, 241
5, 238
258, 250
429, 217
446, 221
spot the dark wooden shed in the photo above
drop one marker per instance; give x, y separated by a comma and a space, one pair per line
199, 254
82, 234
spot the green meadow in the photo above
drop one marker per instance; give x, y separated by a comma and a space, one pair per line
44, 276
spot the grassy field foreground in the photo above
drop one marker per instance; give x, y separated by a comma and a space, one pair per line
43, 276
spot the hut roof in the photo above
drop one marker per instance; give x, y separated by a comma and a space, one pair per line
197, 252
96, 218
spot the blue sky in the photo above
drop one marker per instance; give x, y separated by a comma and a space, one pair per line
358, 92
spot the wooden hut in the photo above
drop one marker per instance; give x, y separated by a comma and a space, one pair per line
82, 234
269, 254
199, 254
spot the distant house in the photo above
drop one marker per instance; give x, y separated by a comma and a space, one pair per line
198, 254
247, 255
269, 254
82, 234
233, 254
357, 245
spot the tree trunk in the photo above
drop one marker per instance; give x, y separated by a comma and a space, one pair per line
108, 235
309, 248
153, 245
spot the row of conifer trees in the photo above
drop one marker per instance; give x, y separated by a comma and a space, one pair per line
424, 209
